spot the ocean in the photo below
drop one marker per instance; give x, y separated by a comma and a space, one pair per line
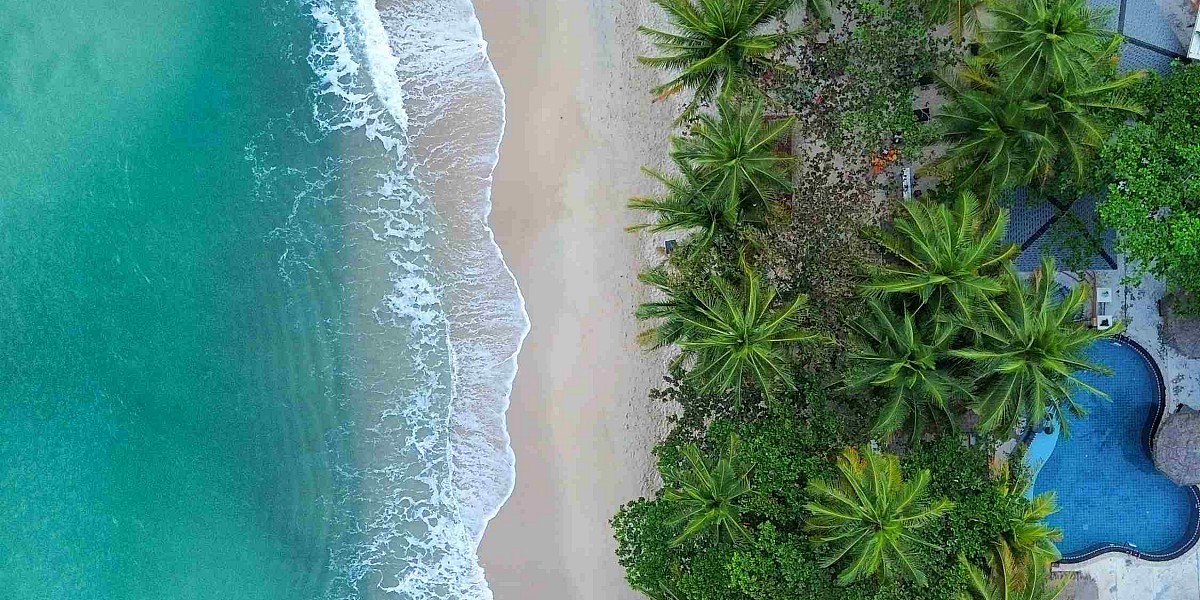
256, 339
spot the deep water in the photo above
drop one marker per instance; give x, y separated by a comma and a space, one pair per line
227, 368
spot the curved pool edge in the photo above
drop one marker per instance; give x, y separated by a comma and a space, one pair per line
1148, 445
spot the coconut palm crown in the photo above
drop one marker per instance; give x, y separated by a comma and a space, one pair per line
1080, 116
733, 335
1040, 44
707, 494
905, 362
872, 517
962, 15
998, 140
715, 45
733, 154
1031, 348
1027, 539
946, 256
1002, 139
687, 205
1010, 581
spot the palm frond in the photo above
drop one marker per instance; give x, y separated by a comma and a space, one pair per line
872, 517
1026, 369
714, 44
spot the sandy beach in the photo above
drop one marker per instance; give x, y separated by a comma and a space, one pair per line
579, 125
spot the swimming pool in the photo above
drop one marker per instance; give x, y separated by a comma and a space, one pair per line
1111, 498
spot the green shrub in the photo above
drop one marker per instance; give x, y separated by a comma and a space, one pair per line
789, 441
1153, 200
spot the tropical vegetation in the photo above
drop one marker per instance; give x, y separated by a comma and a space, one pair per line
731, 335
729, 174
1010, 581
708, 494
734, 155
795, 470
997, 141
1028, 540
790, 442
962, 15
872, 518
1047, 44
686, 205
1153, 200
1030, 351
715, 48
1038, 101
906, 362
947, 256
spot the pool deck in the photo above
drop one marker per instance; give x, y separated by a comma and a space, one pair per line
1120, 576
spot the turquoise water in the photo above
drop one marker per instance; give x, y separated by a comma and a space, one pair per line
230, 365
1108, 490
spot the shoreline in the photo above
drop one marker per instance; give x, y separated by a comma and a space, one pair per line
426, 66
485, 311
579, 420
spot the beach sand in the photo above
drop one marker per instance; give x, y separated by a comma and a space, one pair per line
579, 125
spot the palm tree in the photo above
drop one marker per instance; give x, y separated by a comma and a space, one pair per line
903, 361
1031, 345
675, 312
963, 15
708, 494
873, 517
997, 140
733, 154
1039, 44
947, 255
1002, 140
1028, 539
732, 335
715, 45
1009, 581
687, 205
1080, 117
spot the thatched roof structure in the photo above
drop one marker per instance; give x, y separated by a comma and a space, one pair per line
1177, 447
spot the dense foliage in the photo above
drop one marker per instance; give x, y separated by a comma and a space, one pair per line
1010, 581
709, 493
1154, 199
947, 256
729, 174
734, 155
906, 363
962, 15
1045, 44
783, 474
1039, 100
790, 444
872, 518
731, 336
1029, 348
1028, 539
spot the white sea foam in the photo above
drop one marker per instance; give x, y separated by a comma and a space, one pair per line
416, 81
455, 97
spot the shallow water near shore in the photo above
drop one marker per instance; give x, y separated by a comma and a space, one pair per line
257, 339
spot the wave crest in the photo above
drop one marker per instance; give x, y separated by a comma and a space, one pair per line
428, 461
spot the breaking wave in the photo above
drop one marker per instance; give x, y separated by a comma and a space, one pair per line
392, 218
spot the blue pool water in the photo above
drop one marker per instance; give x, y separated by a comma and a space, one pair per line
1110, 495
